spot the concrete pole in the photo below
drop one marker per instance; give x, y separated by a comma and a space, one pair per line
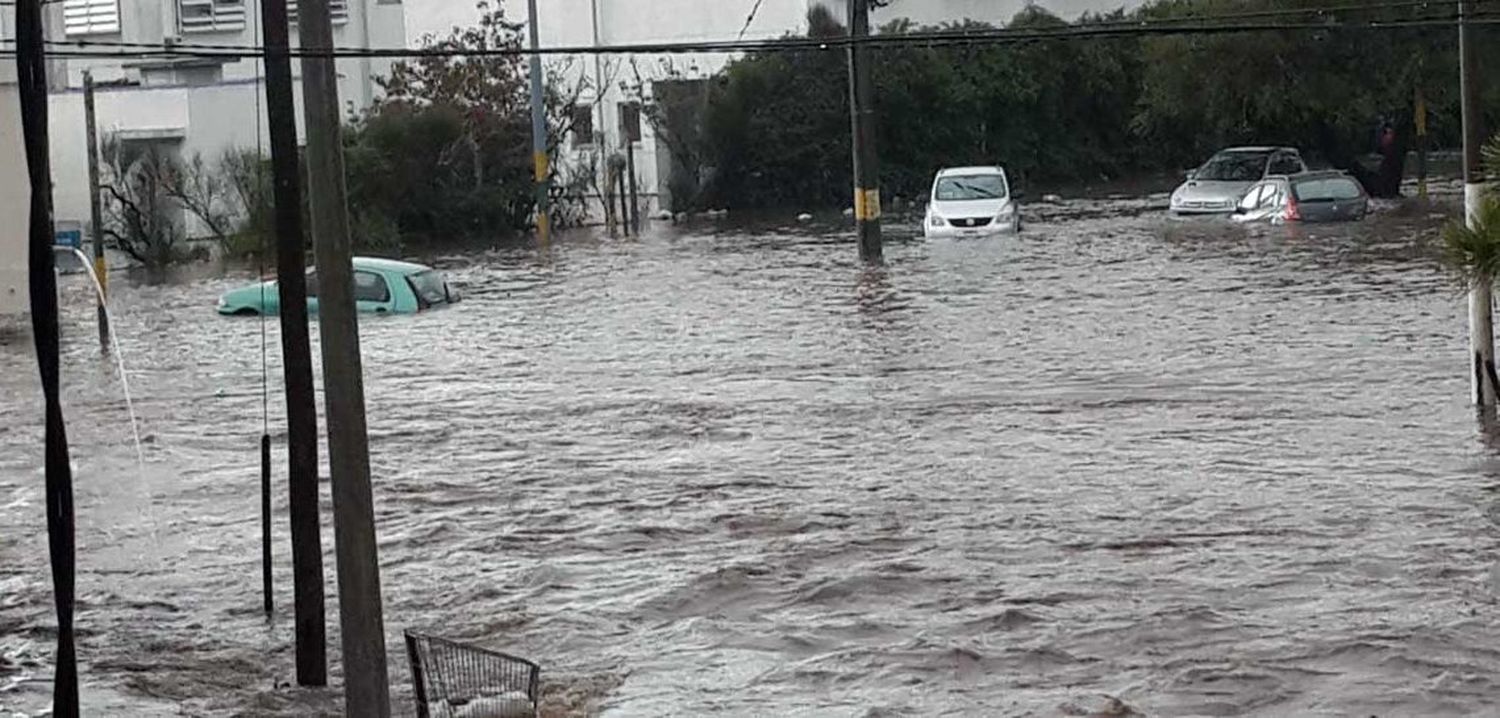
31, 80
301, 404
367, 690
862, 114
1481, 313
538, 131
96, 219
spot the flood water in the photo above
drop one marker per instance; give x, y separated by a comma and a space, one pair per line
1192, 468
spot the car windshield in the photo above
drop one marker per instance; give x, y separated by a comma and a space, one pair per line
1328, 189
1233, 167
969, 187
429, 286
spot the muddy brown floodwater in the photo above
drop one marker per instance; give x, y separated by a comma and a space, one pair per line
1192, 468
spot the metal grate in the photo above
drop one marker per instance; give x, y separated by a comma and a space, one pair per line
458, 680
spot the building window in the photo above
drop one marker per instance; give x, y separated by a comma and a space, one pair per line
210, 15
630, 121
583, 125
339, 9
90, 17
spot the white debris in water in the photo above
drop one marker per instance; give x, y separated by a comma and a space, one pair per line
804, 217
1052, 198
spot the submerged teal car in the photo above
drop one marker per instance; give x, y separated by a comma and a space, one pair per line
381, 286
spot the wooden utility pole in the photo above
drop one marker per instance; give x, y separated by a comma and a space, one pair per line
301, 404
361, 622
31, 73
1481, 312
862, 114
96, 219
538, 130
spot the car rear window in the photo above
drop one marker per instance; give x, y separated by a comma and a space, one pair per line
968, 187
429, 286
1327, 189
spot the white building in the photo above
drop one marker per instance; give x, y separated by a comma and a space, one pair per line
184, 105
15, 200
586, 23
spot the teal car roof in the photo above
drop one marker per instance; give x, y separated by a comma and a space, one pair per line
393, 266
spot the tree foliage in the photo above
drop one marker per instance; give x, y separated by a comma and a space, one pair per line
446, 153
140, 214
1472, 253
1055, 110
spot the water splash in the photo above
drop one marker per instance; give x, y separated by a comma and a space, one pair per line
114, 340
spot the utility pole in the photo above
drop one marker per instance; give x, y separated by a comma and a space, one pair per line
599, 104
101, 269
538, 130
31, 71
862, 113
362, 626
1481, 312
629, 133
1421, 144
296, 354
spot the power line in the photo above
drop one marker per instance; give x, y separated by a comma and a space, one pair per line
939, 38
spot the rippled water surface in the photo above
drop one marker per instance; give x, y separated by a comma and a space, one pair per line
1186, 467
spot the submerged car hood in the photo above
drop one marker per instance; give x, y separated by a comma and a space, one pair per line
1211, 191
970, 207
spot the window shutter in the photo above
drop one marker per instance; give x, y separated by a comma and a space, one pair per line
90, 17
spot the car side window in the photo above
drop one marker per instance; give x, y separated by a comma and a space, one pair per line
1252, 198
370, 287
1269, 197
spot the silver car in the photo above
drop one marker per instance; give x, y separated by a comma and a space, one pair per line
1217, 186
1330, 196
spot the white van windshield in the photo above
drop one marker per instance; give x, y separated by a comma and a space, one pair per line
970, 187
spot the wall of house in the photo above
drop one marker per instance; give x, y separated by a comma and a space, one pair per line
195, 120
15, 196
189, 115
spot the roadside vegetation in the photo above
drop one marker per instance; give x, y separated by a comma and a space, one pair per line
1472, 252
1084, 110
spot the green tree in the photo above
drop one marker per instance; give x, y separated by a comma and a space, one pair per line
446, 153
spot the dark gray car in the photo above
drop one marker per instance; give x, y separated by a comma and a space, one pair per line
1308, 197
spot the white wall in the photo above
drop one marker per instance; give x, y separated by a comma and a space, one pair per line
209, 119
15, 198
